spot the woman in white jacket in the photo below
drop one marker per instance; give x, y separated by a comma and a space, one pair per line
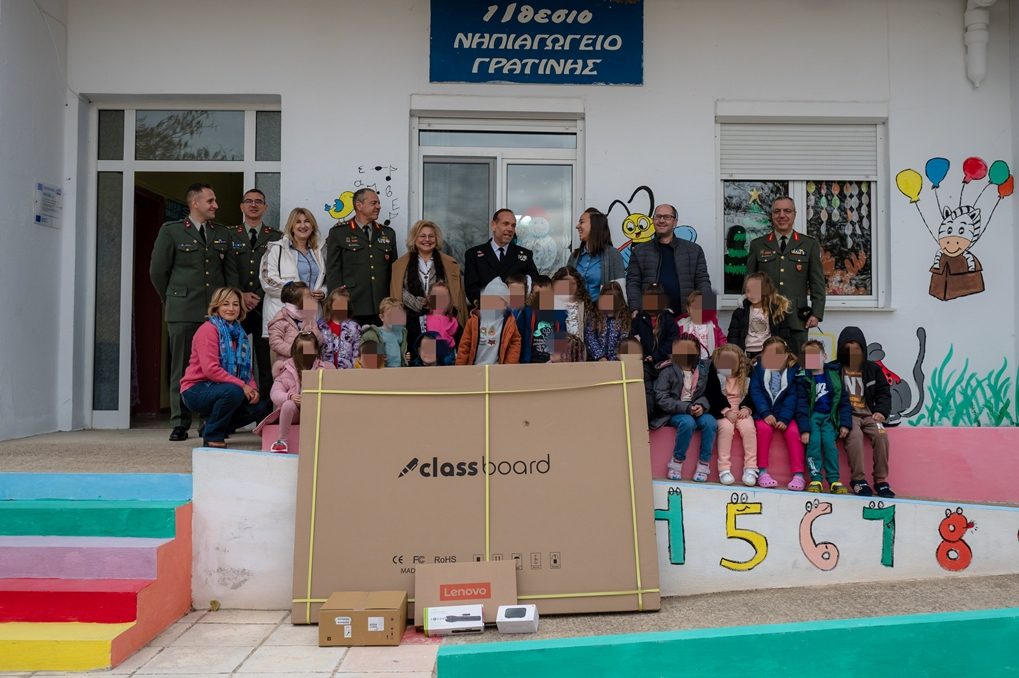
298, 255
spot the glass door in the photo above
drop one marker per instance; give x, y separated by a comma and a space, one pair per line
541, 195
459, 195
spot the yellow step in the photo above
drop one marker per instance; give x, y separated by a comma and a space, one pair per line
57, 646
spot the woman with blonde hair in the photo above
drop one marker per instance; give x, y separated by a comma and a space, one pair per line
416, 272
298, 255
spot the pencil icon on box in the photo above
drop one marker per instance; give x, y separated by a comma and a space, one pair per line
411, 465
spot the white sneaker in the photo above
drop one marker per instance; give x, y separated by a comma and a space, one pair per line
675, 470
726, 477
248, 428
750, 477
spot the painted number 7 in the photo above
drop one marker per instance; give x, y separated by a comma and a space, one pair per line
738, 506
886, 514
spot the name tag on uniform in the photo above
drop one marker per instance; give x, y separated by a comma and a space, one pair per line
522, 257
800, 252
481, 253
383, 239
238, 245
767, 253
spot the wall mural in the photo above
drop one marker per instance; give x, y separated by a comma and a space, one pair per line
379, 178
956, 271
637, 226
960, 396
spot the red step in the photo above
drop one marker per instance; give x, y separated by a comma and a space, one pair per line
108, 601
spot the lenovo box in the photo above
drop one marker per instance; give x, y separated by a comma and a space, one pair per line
363, 618
453, 620
491, 584
545, 466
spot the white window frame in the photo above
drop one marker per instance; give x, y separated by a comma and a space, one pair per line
863, 113
128, 166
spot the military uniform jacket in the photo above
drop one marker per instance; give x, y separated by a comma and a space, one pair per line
796, 274
482, 266
247, 259
185, 271
363, 266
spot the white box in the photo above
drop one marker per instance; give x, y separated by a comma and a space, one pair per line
453, 620
517, 619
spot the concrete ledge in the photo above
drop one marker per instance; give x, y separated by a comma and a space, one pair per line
85, 486
956, 643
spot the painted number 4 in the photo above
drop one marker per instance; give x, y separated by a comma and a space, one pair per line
738, 506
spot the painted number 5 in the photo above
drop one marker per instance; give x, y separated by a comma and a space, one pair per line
738, 506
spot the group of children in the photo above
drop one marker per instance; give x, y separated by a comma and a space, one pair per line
746, 381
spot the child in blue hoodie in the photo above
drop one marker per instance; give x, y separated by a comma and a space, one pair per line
822, 406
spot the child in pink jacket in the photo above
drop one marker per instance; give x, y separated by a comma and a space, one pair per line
286, 389
299, 314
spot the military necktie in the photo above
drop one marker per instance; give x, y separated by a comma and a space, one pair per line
253, 235
502, 251
782, 244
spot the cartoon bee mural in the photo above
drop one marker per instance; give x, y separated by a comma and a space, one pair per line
639, 227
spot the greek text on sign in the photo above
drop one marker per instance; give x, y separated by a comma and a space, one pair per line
545, 41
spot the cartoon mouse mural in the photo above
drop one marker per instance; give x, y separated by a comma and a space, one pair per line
902, 394
956, 271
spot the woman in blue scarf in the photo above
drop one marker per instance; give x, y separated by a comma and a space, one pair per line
218, 382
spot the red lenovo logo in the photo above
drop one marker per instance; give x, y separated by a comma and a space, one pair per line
471, 591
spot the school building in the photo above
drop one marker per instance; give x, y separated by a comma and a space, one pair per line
451, 108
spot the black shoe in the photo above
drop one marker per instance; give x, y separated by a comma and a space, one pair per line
884, 490
862, 489
178, 433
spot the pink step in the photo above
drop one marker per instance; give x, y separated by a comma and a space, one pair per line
79, 557
271, 433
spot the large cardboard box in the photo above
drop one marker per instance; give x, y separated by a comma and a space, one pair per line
489, 583
350, 618
547, 465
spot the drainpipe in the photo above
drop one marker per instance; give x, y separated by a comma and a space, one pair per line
977, 20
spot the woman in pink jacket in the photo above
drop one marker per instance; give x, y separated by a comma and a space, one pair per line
218, 382
286, 389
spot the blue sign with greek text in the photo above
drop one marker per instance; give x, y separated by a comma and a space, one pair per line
571, 42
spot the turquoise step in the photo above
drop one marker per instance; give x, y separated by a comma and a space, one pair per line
88, 518
146, 486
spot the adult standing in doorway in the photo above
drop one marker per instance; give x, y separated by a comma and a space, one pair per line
360, 255
250, 240
497, 258
297, 255
190, 260
422, 266
597, 261
793, 262
677, 265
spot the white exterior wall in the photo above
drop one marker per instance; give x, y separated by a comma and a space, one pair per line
345, 73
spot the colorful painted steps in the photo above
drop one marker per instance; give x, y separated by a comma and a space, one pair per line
92, 566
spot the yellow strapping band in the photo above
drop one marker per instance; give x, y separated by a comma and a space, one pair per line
590, 594
485, 392
488, 451
314, 495
633, 498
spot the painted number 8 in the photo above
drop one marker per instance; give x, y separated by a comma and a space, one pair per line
953, 553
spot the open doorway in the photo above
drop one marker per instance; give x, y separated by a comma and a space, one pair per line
158, 198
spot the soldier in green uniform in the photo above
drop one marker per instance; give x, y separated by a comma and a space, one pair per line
190, 260
793, 262
247, 249
360, 255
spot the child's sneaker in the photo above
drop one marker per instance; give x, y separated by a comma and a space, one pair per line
279, 446
815, 486
701, 474
884, 490
862, 489
765, 480
675, 471
838, 488
749, 477
726, 477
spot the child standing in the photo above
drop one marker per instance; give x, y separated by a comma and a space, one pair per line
491, 336
655, 327
341, 335
702, 322
773, 391
391, 338
728, 392
680, 401
441, 318
297, 315
522, 313
566, 348
822, 406
606, 327
432, 351
871, 400
544, 318
286, 389
572, 299
762, 315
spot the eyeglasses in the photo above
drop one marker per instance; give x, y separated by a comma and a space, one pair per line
664, 216
249, 201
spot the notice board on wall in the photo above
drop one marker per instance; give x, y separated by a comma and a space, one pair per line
546, 465
566, 42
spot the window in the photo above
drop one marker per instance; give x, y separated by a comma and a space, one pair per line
831, 171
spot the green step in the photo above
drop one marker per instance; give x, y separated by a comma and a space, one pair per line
88, 518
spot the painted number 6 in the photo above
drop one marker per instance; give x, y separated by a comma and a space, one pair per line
822, 555
738, 506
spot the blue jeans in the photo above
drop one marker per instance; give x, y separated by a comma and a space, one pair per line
224, 407
685, 425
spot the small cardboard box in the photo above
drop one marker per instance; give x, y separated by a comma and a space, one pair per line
363, 618
517, 619
489, 584
453, 620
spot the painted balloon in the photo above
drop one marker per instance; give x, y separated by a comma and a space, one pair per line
936, 170
998, 173
973, 168
1006, 187
909, 182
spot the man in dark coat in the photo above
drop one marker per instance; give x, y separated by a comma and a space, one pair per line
497, 258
